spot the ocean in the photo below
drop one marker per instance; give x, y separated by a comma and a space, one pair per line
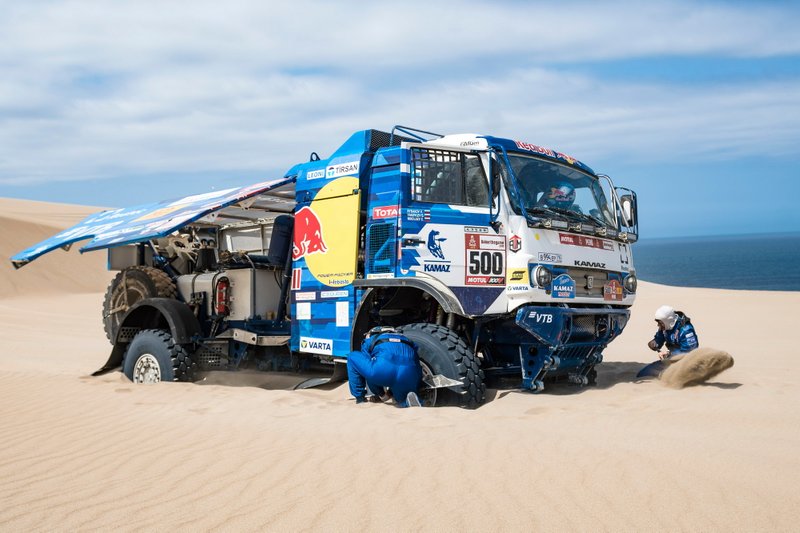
767, 262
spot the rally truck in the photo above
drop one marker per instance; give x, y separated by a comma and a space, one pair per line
503, 261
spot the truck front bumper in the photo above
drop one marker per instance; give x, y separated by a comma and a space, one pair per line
569, 342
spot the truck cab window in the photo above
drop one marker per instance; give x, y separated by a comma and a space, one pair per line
448, 177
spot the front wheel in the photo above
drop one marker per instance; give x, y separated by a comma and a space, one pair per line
153, 356
441, 351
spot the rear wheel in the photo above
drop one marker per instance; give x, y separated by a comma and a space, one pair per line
153, 356
441, 351
130, 286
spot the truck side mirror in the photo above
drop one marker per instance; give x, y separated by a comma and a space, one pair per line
628, 210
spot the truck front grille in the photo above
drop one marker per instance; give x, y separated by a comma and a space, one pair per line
581, 277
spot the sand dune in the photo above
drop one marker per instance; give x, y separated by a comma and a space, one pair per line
96, 453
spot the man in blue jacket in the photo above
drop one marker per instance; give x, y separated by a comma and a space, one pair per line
675, 330
387, 360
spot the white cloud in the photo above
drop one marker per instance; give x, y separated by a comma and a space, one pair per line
97, 89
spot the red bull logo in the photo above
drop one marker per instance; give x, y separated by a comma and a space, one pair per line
307, 234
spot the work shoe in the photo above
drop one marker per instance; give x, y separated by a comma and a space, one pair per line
412, 400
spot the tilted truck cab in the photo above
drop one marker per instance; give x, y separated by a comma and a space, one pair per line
501, 259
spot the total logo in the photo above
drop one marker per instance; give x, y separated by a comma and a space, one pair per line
389, 211
314, 345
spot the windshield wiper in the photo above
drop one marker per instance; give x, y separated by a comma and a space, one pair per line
575, 215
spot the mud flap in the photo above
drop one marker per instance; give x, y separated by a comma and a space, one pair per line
439, 381
339, 373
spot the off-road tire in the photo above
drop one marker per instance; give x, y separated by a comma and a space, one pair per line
444, 352
139, 282
156, 347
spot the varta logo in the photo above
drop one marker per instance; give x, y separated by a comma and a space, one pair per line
590, 264
436, 267
313, 345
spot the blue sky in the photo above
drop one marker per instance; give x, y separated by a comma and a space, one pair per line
695, 105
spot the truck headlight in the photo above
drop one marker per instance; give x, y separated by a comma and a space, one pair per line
542, 276
630, 283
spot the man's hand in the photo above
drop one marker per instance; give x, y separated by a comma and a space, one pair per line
663, 355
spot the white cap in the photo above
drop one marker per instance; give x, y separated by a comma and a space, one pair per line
667, 315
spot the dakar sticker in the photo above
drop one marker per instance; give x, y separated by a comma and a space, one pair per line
486, 259
612, 291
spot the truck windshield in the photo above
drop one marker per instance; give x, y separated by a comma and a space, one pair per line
551, 190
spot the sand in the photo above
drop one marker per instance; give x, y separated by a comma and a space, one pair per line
243, 452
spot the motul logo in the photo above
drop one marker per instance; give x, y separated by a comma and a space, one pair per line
389, 211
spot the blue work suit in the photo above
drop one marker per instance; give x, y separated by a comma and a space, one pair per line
681, 339
388, 360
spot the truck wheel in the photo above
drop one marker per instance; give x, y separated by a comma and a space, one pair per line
130, 286
441, 351
153, 356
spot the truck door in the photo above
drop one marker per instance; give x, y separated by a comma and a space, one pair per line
445, 226
324, 253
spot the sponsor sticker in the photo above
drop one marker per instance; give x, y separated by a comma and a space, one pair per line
303, 311
315, 345
486, 259
333, 294
515, 243
563, 287
612, 291
518, 280
315, 174
297, 276
380, 276
547, 257
587, 242
476, 229
343, 169
305, 296
387, 211
418, 215
541, 318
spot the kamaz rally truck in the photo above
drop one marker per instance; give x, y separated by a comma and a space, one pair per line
500, 259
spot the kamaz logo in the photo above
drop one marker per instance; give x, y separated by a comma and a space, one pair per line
436, 267
541, 318
590, 264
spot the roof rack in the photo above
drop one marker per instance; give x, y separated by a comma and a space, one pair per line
416, 133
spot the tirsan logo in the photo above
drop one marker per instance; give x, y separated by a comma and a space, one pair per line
389, 211
541, 318
313, 345
590, 264
345, 169
437, 267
